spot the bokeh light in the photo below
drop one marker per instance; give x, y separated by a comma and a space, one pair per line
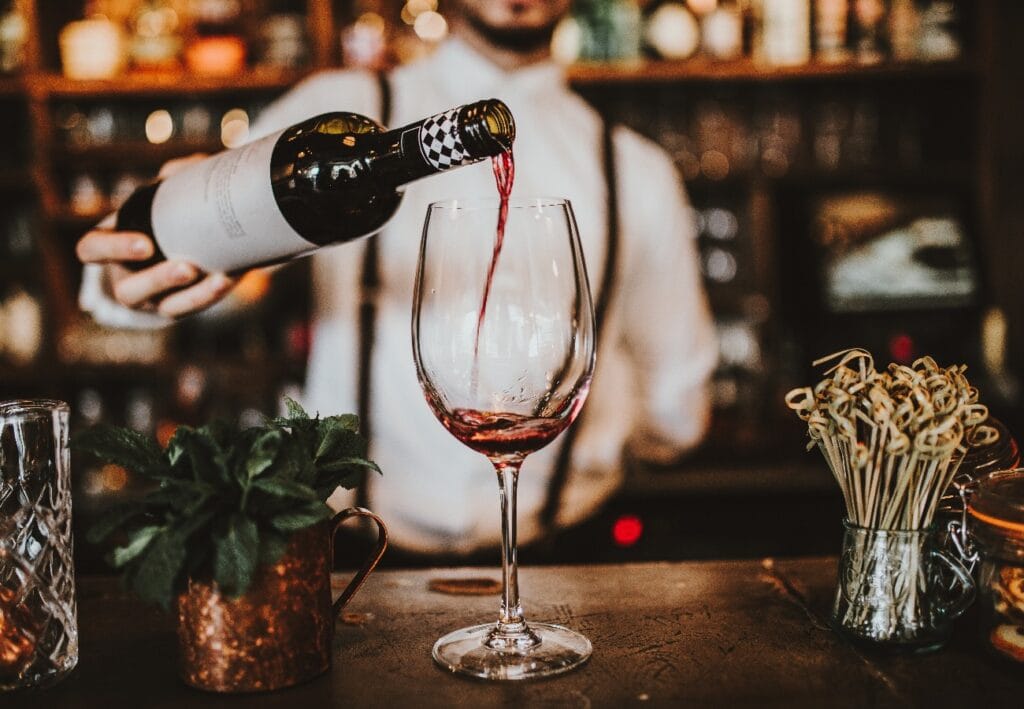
430, 26
159, 126
234, 128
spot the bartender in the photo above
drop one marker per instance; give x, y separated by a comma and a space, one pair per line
657, 346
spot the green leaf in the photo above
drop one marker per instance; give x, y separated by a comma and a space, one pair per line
346, 472
301, 517
203, 455
155, 575
220, 432
342, 464
112, 521
262, 453
289, 489
140, 539
236, 557
338, 433
125, 447
328, 484
294, 462
177, 495
295, 410
272, 547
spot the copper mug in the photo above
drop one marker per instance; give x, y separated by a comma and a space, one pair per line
279, 632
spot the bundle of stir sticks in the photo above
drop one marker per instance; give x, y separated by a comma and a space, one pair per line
893, 439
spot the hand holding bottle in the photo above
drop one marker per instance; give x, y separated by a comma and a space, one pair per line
171, 288
330, 179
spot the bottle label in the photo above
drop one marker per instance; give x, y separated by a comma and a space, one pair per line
221, 215
440, 142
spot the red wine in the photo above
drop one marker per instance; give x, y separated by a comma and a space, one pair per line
330, 179
502, 434
504, 176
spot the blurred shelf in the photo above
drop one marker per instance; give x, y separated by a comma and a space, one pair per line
160, 84
46, 372
11, 86
24, 379
700, 70
134, 152
866, 177
67, 218
15, 179
950, 174
791, 475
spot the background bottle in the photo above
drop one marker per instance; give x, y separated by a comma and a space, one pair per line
330, 179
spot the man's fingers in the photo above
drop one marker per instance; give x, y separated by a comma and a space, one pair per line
112, 246
135, 289
202, 295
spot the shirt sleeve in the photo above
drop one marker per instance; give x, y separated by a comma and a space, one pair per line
668, 329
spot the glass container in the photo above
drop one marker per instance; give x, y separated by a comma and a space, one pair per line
996, 520
897, 590
38, 619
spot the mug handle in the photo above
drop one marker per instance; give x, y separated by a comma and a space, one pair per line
371, 562
956, 606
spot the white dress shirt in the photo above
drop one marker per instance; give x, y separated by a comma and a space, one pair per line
656, 349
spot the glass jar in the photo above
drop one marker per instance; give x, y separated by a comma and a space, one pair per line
897, 590
996, 520
998, 452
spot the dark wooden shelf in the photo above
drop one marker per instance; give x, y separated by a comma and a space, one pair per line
133, 152
868, 176
698, 69
45, 371
160, 84
701, 70
67, 218
15, 179
11, 86
878, 176
39, 372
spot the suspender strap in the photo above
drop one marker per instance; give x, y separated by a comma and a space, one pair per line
369, 281
553, 501
384, 87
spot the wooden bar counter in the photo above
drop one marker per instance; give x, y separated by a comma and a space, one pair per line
714, 634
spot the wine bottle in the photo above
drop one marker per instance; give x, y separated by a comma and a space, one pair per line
330, 179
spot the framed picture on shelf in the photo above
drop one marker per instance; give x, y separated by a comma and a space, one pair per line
885, 252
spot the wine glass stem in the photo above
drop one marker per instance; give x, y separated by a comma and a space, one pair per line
510, 621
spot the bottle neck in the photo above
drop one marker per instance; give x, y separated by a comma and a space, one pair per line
457, 137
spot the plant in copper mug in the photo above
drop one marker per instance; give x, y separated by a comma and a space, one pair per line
235, 531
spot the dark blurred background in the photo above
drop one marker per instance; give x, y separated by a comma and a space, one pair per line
854, 167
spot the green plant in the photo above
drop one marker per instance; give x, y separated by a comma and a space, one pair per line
225, 500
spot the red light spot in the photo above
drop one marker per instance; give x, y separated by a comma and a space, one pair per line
627, 530
901, 347
297, 338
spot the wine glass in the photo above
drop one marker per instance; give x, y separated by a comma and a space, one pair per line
505, 377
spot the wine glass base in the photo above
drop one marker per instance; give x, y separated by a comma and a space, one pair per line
466, 652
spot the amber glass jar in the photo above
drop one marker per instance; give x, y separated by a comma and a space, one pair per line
999, 453
996, 521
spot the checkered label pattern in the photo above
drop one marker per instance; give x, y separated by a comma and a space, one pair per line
440, 142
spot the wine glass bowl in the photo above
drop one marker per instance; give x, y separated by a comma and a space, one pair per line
529, 359
505, 368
